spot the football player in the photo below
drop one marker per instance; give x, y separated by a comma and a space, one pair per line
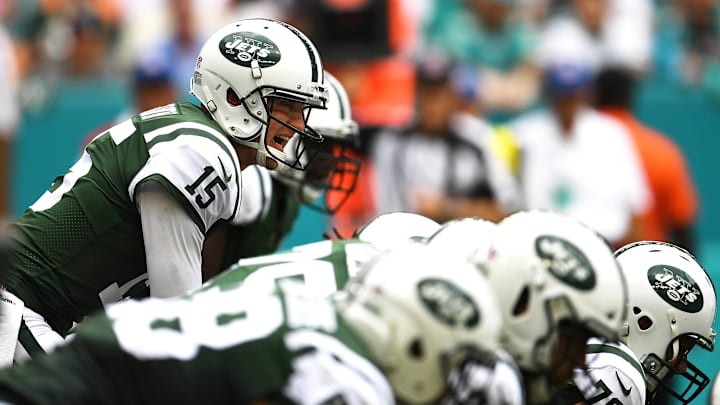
273, 198
557, 284
130, 217
394, 334
672, 304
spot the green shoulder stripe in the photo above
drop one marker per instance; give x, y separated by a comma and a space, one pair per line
600, 348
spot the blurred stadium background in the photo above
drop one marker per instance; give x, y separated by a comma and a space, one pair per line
76, 61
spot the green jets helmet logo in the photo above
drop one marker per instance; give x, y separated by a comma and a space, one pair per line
565, 261
676, 287
449, 304
242, 47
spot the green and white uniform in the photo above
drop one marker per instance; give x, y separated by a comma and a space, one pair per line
323, 267
274, 209
613, 376
219, 345
81, 244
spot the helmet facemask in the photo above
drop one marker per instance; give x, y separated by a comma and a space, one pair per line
660, 372
271, 108
333, 174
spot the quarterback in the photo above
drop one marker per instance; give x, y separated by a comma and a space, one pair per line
130, 217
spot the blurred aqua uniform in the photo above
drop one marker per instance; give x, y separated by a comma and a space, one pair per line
455, 30
80, 245
222, 345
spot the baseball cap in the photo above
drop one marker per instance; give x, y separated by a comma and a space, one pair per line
564, 78
152, 69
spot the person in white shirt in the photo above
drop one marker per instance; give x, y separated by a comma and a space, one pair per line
576, 161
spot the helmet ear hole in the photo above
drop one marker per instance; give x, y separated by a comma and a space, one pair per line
232, 98
416, 349
644, 323
521, 305
636, 310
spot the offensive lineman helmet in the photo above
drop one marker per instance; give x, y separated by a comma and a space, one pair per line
468, 237
333, 171
421, 313
552, 275
393, 229
244, 69
671, 308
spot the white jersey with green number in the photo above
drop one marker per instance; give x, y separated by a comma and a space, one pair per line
614, 375
80, 245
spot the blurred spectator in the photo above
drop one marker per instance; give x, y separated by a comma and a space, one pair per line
489, 36
152, 83
579, 162
152, 86
688, 43
673, 209
9, 117
599, 32
381, 88
440, 166
182, 47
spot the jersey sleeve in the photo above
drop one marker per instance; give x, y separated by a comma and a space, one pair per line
613, 375
256, 195
199, 170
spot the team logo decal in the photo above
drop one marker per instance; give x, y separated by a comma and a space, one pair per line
676, 287
565, 261
448, 303
242, 47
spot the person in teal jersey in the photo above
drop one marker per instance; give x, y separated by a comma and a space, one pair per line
275, 197
393, 334
130, 217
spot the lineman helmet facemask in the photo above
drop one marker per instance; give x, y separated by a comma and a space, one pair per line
671, 309
333, 171
552, 275
257, 75
387, 231
421, 313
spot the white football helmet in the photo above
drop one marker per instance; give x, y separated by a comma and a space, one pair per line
421, 313
671, 308
550, 271
333, 171
246, 66
393, 229
468, 237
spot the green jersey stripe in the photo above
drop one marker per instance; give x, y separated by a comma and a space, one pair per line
170, 132
599, 348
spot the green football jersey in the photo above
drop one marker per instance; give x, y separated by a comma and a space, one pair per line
224, 344
264, 235
323, 267
80, 244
